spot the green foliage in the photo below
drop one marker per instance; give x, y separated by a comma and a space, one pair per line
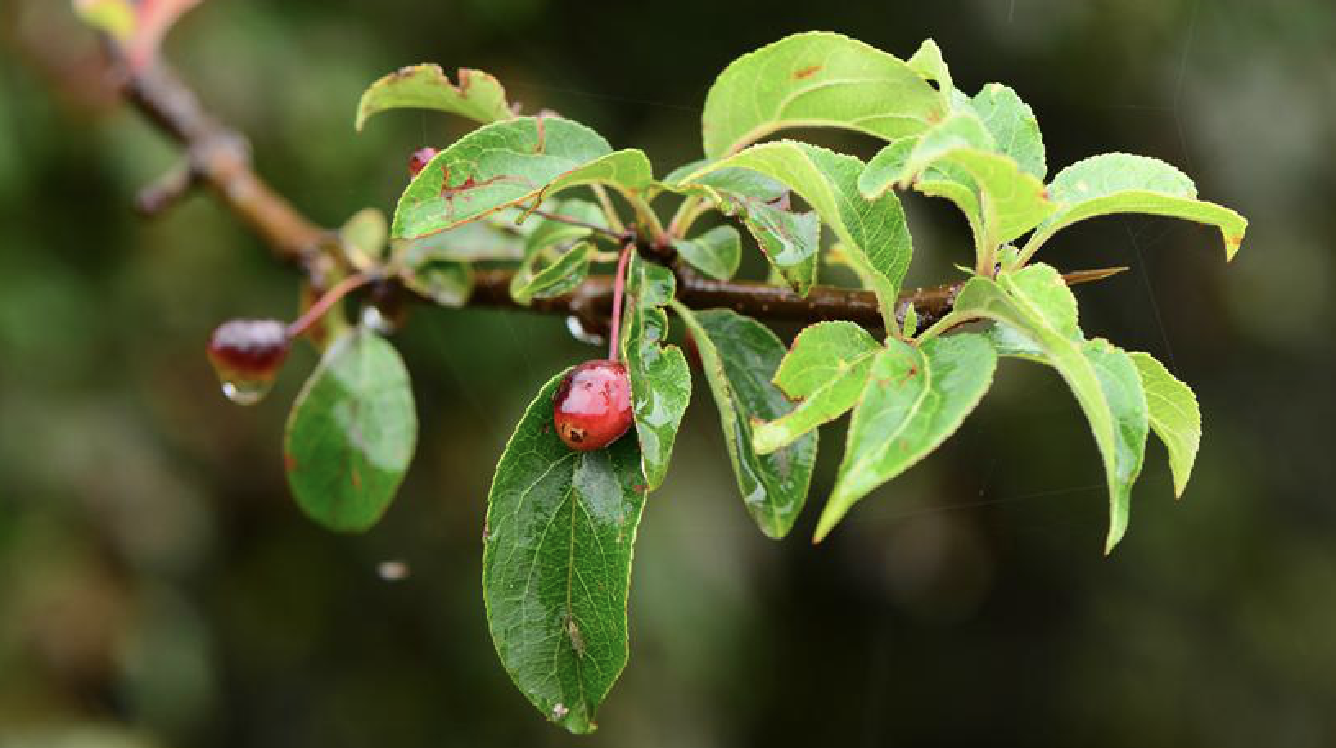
1123, 183
566, 270
913, 398
508, 163
958, 160
1014, 128
1174, 416
790, 239
740, 355
815, 80
1038, 305
561, 523
351, 433
556, 255
872, 230
445, 282
715, 253
660, 377
478, 96
825, 369
561, 527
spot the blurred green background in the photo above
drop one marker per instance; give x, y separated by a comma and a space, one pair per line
158, 587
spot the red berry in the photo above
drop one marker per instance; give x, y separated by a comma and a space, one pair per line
247, 354
419, 159
592, 407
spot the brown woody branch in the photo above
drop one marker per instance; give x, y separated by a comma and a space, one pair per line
219, 157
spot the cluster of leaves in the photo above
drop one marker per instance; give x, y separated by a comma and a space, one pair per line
544, 192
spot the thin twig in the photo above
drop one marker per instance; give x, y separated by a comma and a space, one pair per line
620, 236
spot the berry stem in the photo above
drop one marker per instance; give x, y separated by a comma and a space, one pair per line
322, 305
618, 291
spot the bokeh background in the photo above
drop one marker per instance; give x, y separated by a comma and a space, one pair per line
159, 588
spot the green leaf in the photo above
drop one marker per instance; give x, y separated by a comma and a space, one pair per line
478, 96
928, 63
1039, 306
546, 232
445, 282
815, 80
739, 356
363, 237
886, 167
910, 326
915, 397
1121, 386
826, 367
957, 160
561, 527
715, 253
660, 377
556, 260
561, 275
874, 230
508, 163
1124, 183
789, 239
471, 242
351, 433
1174, 416
1014, 128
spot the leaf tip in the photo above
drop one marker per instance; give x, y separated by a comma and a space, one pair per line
1232, 244
1116, 532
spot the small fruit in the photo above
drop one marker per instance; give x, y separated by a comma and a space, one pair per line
592, 407
419, 159
246, 354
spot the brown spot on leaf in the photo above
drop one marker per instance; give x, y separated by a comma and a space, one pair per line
289, 462
542, 133
577, 640
356, 478
807, 72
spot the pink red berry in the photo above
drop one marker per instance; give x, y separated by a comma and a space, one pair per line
419, 159
249, 349
592, 407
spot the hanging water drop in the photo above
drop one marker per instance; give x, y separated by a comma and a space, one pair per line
246, 391
375, 319
246, 355
577, 328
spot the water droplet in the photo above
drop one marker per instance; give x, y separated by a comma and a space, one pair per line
393, 571
244, 391
373, 319
582, 334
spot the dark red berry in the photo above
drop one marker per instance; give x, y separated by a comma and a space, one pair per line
247, 354
419, 159
592, 407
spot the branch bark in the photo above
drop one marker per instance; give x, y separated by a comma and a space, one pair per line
220, 157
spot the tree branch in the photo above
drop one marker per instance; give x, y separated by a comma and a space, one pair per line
220, 157
592, 301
